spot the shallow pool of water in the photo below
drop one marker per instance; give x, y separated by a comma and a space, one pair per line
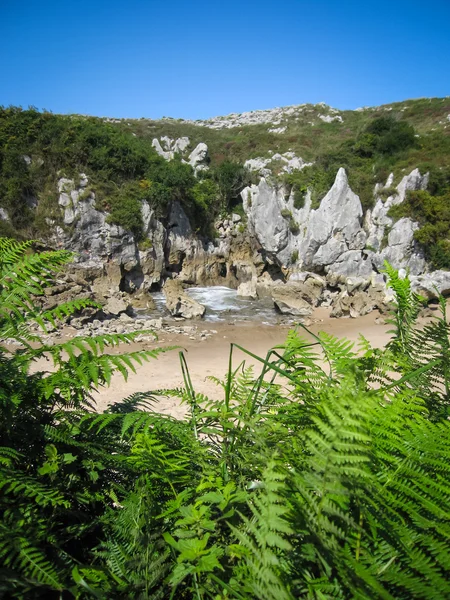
223, 304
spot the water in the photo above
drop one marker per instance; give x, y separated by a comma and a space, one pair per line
223, 304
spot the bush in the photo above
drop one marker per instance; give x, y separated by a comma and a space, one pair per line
231, 178
205, 194
389, 136
114, 160
299, 196
293, 226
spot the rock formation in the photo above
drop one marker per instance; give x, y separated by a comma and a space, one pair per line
168, 148
301, 257
178, 303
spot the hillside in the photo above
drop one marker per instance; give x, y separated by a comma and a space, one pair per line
308, 130
118, 157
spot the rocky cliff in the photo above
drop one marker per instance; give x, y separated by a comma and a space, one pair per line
258, 201
302, 257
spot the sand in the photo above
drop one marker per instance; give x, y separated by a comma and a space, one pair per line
209, 357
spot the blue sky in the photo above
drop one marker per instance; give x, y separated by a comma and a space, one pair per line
196, 59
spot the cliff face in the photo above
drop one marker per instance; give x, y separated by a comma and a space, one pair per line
109, 255
306, 255
334, 239
302, 224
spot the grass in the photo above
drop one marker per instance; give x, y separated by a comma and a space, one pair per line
306, 140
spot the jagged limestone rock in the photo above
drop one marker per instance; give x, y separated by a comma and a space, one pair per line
335, 227
318, 237
400, 250
263, 205
167, 147
430, 284
198, 157
288, 160
332, 238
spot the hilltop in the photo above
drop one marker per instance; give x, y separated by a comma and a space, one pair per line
306, 129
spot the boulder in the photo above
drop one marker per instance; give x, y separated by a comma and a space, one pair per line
247, 289
179, 304
108, 283
429, 285
359, 303
142, 300
246, 275
309, 290
294, 299
115, 306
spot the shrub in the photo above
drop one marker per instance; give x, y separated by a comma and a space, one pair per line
205, 194
294, 256
299, 196
231, 178
125, 209
114, 161
389, 136
293, 226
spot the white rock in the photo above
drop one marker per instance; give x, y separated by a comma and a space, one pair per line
330, 119
179, 304
115, 306
167, 154
430, 284
181, 144
197, 158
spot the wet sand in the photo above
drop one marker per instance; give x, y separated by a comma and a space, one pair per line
209, 357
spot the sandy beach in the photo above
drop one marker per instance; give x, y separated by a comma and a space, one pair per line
209, 357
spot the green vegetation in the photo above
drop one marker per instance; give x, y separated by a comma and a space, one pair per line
374, 151
327, 479
38, 148
231, 178
369, 143
293, 226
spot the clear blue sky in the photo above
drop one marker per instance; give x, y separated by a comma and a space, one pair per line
196, 58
